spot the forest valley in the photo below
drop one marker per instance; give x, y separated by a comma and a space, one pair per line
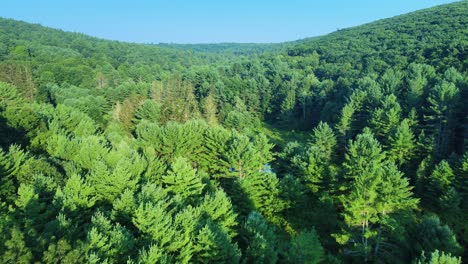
345, 148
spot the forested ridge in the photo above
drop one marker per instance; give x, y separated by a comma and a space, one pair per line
344, 148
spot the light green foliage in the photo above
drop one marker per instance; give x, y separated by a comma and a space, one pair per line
148, 110
438, 257
219, 209
71, 120
10, 165
391, 81
364, 156
124, 206
16, 250
8, 96
154, 223
462, 177
264, 192
289, 102
377, 191
386, 118
324, 138
107, 241
244, 156
213, 246
314, 168
316, 161
174, 140
216, 145
402, 143
182, 180
76, 195
109, 184
210, 110
241, 120
344, 125
418, 75
152, 255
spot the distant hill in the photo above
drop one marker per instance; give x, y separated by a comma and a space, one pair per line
438, 36
234, 48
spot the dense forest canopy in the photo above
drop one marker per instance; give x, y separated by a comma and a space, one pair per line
345, 148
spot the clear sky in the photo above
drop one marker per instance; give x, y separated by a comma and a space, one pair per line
206, 21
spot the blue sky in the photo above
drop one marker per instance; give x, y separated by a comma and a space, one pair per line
206, 21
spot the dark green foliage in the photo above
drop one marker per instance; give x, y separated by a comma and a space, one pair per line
305, 248
260, 239
430, 234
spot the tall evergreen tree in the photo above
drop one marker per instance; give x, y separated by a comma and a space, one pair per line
402, 143
377, 191
184, 181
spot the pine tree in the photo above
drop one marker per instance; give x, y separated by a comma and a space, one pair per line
123, 207
305, 248
219, 209
324, 138
462, 178
439, 115
244, 157
216, 144
364, 155
7, 179
174, 140
184, 181
317, 159
402, 144
438, 257
212, 245
149, 110
210, 110
107, 241
385, 119
77, 195
153, 254
15, 250
314, 169
260, 239
155, 224
63, 252
430, 234
110, 183
437, 184
377, 190
391, 81
288, 103
419, 77
264, 192
344, 125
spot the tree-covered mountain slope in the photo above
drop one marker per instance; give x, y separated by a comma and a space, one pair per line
344, 148
436, 36
49, 49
